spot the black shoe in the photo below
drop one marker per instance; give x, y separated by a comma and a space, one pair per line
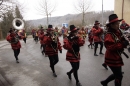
95, 55
42, 52
122, 72
103, 83
101, 53
69, 75
105, 66
54, 74
89, 46
78, 84
17, 61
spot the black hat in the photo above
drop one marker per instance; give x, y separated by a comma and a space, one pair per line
96, 22
41, 27
10, 31
73, 28
113, 18
49, 26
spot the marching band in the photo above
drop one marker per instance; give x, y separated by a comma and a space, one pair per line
73, 39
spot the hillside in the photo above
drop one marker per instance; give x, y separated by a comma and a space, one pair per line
90, 17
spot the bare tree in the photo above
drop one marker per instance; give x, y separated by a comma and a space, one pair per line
7, 13
45, 8
83, 6
1, 1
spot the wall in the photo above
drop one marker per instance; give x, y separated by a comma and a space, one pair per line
126, 12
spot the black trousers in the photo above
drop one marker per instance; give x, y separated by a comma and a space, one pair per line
53, 61
96, 46
16, 53
43, 47
24, 39
36, 38
117, 75
74, 70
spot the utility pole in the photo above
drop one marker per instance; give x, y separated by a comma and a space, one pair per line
102, 12
122, 8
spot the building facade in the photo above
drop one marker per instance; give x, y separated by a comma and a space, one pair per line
122, 9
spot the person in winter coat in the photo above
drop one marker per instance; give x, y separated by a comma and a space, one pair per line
115, 44
52, 46
13, 39
97, 33
124, 25
72, 44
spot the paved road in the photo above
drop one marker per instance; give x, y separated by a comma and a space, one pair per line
34, 70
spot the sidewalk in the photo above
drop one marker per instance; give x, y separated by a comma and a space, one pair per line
3, 81
3, 43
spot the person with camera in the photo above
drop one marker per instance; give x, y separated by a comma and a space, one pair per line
115, 44
72, 44
51, 49
13, 39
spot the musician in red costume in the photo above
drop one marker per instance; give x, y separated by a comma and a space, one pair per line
115, 44
90, 39
13, 39
41, 37
83, 33
97, 33
124, 25
72, 44
52, 46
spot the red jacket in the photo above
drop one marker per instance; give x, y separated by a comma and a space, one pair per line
41, 37
13, 45
124, 26
113, 48
70, 56
90, 37
97, 34
49, 50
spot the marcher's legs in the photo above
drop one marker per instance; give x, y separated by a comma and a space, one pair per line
74, 70
101, 47
117, 75
24, 39
105, 66
53, 61
16, 53
95, 48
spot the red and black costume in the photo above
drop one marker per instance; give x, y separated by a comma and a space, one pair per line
15, 43
52, 47
23, 35
72, 45
115, 44
90, 39
97, 33
124, 25
41, 37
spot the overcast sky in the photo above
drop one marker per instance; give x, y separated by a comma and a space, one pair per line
63, 7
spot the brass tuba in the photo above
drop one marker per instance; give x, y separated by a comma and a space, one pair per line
18, 23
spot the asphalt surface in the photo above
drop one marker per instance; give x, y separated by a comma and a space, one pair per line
34, 70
